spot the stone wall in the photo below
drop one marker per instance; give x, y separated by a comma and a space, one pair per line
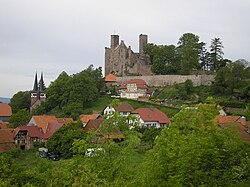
161, 80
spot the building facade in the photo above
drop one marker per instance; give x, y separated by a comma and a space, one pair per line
120, 60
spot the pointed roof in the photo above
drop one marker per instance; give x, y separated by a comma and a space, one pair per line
35, 87
43, 121
86, 117
41, 84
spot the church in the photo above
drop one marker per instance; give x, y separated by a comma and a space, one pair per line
37, 94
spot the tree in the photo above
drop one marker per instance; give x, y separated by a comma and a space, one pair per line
115, 165
195, 152
164, 58
61, 141
20, 118
189, 50
231, 77
21, 100
216, 53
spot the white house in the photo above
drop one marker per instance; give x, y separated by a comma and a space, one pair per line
151, 117
133, 89
123, 109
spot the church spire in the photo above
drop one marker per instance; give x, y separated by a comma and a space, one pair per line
35, 87
41, 84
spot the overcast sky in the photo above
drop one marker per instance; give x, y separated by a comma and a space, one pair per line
52, 36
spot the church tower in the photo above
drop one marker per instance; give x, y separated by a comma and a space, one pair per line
37, 94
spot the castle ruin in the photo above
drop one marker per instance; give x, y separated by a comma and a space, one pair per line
122, 61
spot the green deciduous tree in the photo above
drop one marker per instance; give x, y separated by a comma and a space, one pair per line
194, 152
164, 58
232, 76
61, 141
189, 52
21, 100
20, 118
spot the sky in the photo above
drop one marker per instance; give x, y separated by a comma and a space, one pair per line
52, 36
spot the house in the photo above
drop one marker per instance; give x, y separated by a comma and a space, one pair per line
133, 89
151, 117
94, 125
86, 117
5, 112
43, 121
123, 109
6, 139
237, 122
26, 136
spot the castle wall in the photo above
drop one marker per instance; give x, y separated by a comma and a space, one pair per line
161, 80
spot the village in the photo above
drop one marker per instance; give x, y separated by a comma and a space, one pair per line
130, 127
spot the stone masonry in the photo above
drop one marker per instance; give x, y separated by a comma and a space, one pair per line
163, 80
122, 61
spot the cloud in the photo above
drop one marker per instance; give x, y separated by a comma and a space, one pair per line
61, 35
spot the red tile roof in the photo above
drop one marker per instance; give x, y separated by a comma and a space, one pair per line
3, 126
93, 124
242, 129
230, 119
65, 120
86, 117
51, 129
110, 78
6, 140
6, 135
124, 107
5, 109
152, 115
43, 121
139, 83
33, 131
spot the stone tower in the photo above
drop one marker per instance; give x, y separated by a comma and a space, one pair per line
114, 41
37, 94
143, 41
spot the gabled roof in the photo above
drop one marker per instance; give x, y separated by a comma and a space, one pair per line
43, 121
230, 119
86, 117
5, 109
139, 83
93, 124
124, 107
51, 129
110, 78
152, 115
65, 121
33, 131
